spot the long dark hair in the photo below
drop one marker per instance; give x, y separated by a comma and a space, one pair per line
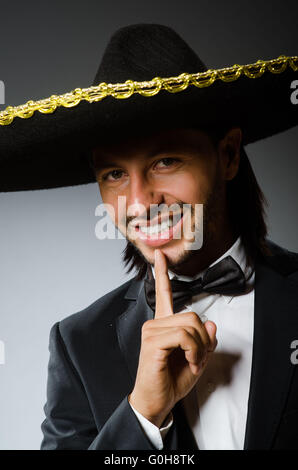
246, 204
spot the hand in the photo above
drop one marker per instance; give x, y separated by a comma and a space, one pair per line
174, 351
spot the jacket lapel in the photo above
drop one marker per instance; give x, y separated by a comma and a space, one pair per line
129, 326
274, 327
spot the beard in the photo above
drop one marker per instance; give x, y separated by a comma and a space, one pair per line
211, 212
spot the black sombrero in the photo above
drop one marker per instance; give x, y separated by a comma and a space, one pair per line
149, 79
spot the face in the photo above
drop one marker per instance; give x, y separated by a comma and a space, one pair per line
173, 168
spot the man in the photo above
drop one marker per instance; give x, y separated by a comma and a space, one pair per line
194, 351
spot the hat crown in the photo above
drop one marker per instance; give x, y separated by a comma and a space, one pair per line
142, 51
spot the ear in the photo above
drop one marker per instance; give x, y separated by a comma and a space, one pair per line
229, 152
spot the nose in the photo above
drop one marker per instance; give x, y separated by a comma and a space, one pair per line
141, 194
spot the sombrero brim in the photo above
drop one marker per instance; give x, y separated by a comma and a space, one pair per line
50, 150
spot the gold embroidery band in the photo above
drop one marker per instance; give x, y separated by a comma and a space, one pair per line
148, 88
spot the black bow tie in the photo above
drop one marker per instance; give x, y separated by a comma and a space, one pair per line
225, 277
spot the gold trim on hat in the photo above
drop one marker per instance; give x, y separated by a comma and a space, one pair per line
147, 88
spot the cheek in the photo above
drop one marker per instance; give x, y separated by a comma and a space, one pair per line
190, 187
110, 201
116, 198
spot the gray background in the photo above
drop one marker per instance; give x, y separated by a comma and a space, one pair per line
52, 265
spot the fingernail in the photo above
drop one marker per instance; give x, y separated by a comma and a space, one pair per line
209, 327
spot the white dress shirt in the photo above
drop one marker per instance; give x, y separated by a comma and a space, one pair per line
216, 407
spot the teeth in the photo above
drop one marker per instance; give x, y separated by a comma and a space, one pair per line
157, 228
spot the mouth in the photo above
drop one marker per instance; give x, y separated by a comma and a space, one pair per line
160, 231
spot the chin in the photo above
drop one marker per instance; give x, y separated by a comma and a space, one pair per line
177, 257
175, 253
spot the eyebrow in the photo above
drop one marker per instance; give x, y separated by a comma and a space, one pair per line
158, 148
101, 164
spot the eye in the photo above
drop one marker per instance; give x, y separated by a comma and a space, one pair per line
112, 175
166, 162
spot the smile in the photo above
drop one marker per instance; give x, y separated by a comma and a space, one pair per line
159, 233
157, 228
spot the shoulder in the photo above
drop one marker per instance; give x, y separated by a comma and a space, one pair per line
97, 315
282, 260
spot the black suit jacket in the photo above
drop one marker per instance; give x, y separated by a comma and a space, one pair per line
94, 357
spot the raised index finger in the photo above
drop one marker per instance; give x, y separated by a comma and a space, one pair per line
163, 290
